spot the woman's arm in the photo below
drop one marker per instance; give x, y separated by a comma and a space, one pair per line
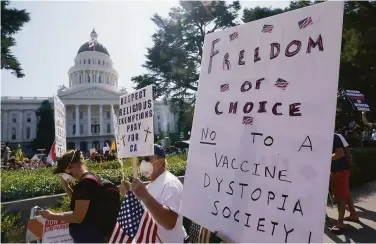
77, 216
66, 187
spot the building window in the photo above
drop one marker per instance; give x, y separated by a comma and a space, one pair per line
74, 129
107, 64
81, 115
80, 61
74, 115
14, 133
28, 131
81, 129
28, 118
108, 128
84, 61
88, 78
88, 61
14, 118
99, 62
158, 116
95, 129
103, 62
108, 114
79, 77
99, 79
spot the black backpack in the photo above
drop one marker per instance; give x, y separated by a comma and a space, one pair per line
109, 204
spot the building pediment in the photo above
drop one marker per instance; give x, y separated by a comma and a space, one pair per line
94, 93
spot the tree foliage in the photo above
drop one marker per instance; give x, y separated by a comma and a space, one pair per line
12, 21
45, 128
174, 60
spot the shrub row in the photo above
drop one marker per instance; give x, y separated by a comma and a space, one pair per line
23, 184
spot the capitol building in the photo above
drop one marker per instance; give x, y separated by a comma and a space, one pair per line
93, 89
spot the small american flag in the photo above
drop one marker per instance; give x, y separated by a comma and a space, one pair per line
225, 87
233, 36
134, 223
305, 22
247, 120
281, 83
267, 29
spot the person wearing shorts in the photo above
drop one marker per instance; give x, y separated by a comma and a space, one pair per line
340, 174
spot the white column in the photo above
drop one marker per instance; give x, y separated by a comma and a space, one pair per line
89, 120
112, 119
101, 129
20, 127
5, 126
77, 120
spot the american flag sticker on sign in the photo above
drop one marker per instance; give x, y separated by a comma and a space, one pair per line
247, 120
305, 22
225, 87
267, 29
281, 84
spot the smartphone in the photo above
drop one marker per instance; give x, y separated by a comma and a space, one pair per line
37, 210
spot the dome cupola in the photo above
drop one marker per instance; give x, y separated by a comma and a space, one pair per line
93, 45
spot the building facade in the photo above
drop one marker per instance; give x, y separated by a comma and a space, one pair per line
91, 94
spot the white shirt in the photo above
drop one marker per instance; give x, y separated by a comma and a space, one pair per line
344, 142
374, 136
167, 190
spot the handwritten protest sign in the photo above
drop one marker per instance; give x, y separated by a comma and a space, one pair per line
60, 130
56, 232
135, 120
357, 100
260, 154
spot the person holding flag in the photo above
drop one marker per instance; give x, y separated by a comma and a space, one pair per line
161, 197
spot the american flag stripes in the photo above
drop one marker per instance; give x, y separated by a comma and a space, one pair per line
281, 83
91, 43
247, 120
233, 36
267, 29
225, 87
134, 223
305, 22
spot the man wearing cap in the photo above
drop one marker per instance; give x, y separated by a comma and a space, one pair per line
161, 197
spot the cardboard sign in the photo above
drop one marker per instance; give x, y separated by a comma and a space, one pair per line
135, 121
60, 129
260, 154
357, 100
55, 231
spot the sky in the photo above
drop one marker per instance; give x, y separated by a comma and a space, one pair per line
48, 43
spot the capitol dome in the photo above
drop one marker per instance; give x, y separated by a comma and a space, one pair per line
93, 67
95, 47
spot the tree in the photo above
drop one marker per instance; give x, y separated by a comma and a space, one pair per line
45, 128
11, 22
174, 60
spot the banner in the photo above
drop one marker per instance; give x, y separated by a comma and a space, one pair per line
135, 121
260, 150
357, 100
60, 129
55, 231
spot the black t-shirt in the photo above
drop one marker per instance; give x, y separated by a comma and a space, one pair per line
88, 189
338, 164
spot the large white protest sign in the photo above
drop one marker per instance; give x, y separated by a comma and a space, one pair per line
260, 153
60, 129
135, 121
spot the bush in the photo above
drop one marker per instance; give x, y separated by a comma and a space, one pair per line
364, 166
11, 228
23, 184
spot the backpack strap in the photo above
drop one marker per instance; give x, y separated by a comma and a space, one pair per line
92, 177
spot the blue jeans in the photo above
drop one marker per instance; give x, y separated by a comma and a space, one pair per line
85, 233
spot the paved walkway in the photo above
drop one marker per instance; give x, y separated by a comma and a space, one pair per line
365, 204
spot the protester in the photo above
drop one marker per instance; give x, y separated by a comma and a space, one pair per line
6, 153
365, 121
87, 210
340, 172
161, 196
374, 135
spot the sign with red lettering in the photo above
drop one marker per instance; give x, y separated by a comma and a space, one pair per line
56, 231
260, 153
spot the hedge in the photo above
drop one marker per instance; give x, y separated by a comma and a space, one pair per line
23, 184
